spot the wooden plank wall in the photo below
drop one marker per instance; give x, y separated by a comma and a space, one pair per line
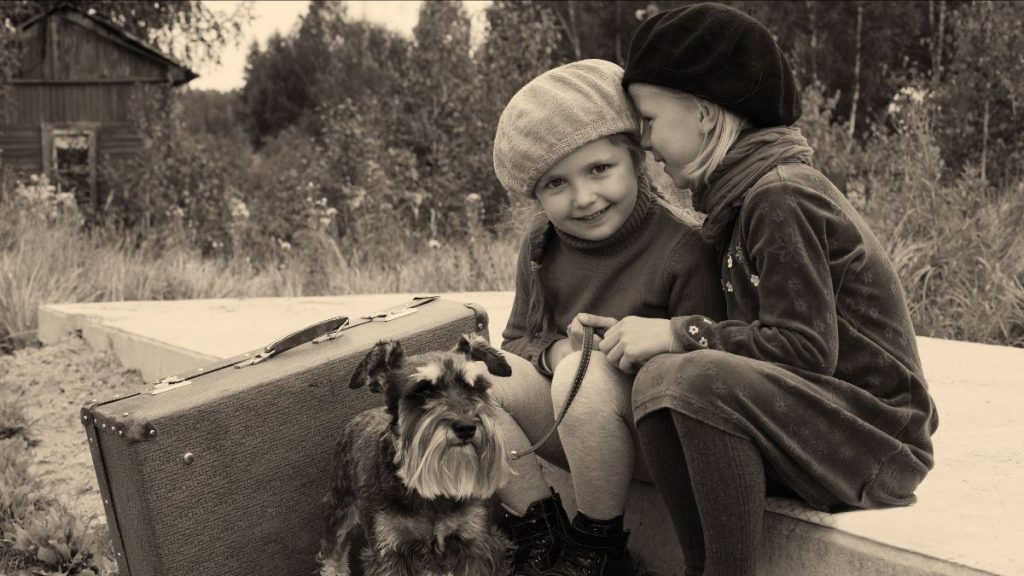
59, 48
34, 103
22, 145
82, 54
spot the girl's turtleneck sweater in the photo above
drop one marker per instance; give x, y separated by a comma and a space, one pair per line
656, 265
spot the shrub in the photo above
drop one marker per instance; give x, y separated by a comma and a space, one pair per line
36, 528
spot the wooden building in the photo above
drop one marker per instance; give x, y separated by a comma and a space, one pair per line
70, 99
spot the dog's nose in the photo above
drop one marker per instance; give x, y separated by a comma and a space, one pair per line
464, 430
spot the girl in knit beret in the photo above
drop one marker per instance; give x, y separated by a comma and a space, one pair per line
813, 385
607, 244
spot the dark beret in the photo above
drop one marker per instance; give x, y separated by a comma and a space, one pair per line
720, 54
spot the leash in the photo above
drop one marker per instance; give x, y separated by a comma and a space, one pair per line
581, 371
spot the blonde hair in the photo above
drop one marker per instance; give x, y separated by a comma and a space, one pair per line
725, 129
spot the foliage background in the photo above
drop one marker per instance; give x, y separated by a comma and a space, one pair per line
357, 159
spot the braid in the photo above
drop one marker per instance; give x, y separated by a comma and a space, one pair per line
538, 319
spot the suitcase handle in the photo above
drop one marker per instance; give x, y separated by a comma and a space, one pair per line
332, 328
307, 334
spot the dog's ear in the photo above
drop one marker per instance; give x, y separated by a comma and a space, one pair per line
372, 371
477, 348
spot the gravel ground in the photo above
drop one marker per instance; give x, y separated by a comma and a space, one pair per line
51, 384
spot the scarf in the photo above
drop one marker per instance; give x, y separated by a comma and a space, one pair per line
754, 154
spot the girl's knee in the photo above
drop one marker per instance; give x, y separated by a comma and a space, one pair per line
523, 389
701, 373
603, 394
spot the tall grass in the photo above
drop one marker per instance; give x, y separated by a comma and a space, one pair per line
963, 273
954, 239
56, 261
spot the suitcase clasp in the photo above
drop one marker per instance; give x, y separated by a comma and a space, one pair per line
162, 386
401, 310
391, 315
333, 333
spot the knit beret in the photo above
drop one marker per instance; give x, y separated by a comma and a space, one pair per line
555, 114
720, 54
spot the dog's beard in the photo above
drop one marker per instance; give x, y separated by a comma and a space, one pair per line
432, 465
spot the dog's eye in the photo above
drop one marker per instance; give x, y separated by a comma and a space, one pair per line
423, 387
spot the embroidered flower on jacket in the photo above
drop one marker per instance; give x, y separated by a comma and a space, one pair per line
728, 286
728, 261
755, 280
694, 330
703, 341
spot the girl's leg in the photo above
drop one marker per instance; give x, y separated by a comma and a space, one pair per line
535, 518
597, 435
727, 475
721, 505
525, 400
667, 465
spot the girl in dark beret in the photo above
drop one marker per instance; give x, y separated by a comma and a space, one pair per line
813, 386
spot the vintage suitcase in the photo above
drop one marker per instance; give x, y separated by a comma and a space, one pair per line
221, 472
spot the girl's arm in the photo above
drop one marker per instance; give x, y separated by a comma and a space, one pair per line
691, 274
515, 337
786, 231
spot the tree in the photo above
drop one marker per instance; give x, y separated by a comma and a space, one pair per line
219, 114
981, 91
276, 92
522, 41
824, 44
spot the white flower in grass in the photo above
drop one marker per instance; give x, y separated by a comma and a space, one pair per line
694, 329
703, 341
755, 280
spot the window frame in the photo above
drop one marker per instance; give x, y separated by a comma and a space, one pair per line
52, 129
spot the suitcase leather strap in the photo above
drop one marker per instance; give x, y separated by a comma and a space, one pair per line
382, 316
332, 328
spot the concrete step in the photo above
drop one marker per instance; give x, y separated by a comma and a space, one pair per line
969, 519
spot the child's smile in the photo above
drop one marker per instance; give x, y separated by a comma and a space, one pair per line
593, 216
591, 192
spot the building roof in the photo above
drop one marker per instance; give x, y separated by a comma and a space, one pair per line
120, 36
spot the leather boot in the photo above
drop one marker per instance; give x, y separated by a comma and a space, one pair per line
539, 536
595, 548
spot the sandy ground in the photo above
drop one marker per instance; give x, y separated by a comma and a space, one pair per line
51, 384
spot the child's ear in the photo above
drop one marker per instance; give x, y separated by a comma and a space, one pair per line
372, 371
704, 117
478, 349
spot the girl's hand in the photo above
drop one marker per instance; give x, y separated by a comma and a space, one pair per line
634, 340
575, 330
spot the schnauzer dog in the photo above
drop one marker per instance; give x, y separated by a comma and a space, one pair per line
413, 480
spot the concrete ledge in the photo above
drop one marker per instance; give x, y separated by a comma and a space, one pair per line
969, 519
